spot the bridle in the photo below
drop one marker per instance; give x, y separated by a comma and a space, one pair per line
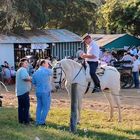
60, 81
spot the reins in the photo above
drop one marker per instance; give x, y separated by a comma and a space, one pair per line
77, 73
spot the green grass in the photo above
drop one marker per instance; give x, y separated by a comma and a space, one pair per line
94, 126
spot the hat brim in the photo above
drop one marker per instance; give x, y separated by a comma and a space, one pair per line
86, 37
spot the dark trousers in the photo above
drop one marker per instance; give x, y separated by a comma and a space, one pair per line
136, 79
23, 108
93, 67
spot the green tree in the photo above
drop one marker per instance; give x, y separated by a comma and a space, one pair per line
78, 16
130, 20
109, 16
117, 16
8, 15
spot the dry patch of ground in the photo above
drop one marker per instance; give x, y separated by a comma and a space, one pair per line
130, 100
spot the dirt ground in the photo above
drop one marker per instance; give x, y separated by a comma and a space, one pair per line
130, 99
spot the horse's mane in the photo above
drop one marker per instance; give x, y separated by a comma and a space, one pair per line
70, 62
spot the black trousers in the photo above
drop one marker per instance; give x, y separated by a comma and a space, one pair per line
23, 108
93, 67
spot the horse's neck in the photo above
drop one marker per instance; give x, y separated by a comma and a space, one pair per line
71, 70
75, 73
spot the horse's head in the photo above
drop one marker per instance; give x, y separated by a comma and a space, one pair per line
58, 75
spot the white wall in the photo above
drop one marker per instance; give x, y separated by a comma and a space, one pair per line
7, 54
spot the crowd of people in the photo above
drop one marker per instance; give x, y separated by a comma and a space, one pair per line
7, 73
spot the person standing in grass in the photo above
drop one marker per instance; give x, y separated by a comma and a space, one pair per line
23, 87
135, 70
41, 80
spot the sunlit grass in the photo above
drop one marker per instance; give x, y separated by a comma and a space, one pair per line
94, 126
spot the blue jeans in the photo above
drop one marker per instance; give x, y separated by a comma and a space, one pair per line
23, 108
136, 79
93, 67
43, 107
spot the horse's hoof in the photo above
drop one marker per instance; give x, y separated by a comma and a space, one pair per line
78, 123
119, 121
109, 120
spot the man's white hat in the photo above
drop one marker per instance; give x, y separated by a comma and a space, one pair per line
85, 35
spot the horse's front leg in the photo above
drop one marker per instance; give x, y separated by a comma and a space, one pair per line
117, 101
110, 100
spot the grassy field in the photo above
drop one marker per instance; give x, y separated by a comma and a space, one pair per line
94, 126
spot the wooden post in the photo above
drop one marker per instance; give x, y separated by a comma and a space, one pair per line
74, 106
1, 101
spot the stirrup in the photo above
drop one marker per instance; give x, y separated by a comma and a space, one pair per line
96, 89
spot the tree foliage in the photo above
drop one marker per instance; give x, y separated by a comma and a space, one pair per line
75, 15
79, 16
131, 17
117, 16
8, 15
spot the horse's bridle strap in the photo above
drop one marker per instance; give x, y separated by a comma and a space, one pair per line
77, 73
60, 80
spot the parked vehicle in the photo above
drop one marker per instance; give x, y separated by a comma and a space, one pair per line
125, 69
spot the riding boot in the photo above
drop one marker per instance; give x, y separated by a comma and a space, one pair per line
97, 88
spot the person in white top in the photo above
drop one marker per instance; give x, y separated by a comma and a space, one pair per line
127, 57
135, 70
138, 52
92, 58
133, 51
78, 53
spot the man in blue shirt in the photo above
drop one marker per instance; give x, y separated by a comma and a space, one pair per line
23, 87
41, 80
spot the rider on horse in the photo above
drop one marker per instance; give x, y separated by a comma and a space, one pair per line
92, 57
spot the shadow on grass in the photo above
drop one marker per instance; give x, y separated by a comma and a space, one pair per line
89, 134
8, 120
133, 132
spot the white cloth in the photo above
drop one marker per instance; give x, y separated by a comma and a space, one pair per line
93, 49
79, 53
133, 52
138, 53
136, 65
127, 57
88, 77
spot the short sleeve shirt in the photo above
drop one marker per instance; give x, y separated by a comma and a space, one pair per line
22, 86
93, 49
41, 80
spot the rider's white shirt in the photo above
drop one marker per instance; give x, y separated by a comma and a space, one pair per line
93, 49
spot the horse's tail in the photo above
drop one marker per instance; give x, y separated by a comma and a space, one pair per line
4, 86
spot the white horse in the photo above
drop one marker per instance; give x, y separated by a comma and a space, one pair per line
75, 73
